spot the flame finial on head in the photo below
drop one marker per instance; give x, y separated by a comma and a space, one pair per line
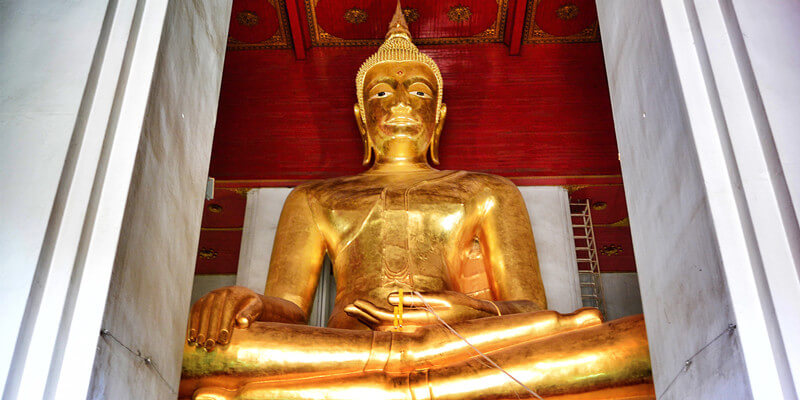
398, 26
396, 48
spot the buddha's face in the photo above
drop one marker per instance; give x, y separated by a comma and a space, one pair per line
400, 108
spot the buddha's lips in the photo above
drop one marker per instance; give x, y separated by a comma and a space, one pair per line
402, 121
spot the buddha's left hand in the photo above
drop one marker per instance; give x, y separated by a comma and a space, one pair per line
450, 306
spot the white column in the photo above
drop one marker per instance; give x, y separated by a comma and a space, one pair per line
96, 58
548, 208
150, 287
260, 224
715, 236
46, 54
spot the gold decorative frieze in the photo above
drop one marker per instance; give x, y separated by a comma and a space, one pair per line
611, 250
459, 13
411, 14
567, 12
207, 253
355, 16
247, 18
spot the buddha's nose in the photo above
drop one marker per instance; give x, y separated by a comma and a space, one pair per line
401, 107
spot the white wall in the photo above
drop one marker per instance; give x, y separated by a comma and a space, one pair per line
150, 289
46, 51
713, 226
621, 294
204, 283
258, 234
548, 208
685, 299
769, 32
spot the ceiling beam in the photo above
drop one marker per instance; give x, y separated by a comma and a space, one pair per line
517, 26
295, 24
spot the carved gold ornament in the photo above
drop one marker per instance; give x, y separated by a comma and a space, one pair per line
412, 14
567, 12
459, 13
599, 205
611, 250
215, 208
247, 18
355, 16
207, 253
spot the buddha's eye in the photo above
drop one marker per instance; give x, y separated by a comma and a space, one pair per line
420, 93
380, 95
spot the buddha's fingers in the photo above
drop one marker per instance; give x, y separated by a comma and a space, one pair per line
214, 320
226, 323
205, 316
194, 321
413, 300
359, 314
248, 310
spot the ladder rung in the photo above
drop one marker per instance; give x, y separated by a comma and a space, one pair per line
579, 226
584, 260
580, 237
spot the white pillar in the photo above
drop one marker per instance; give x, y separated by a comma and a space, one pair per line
82, 78
76, 79
42, 79
715, 236
548, 208
150, 287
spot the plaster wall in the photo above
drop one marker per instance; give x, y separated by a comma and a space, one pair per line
769, 32
548, 209
685, 298
621, 294
258, 234
205, 283
150, 287
46, 52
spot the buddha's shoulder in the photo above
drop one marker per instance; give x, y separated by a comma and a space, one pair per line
334, 189
467, 183
483, 179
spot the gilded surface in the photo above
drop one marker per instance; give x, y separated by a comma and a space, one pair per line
405, 227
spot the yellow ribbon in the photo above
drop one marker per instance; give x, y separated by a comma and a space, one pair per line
398, 311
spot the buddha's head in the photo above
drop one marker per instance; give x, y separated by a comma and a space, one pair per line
400, 113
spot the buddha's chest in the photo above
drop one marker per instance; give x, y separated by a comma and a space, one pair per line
397, 217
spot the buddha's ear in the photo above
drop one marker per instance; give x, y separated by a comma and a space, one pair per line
364, 137
437, 133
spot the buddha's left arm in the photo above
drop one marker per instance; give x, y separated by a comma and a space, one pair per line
507, 243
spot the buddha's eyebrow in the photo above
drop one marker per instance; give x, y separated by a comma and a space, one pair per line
386, 79
410, 81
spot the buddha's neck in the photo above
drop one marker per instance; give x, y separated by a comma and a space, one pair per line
400, 165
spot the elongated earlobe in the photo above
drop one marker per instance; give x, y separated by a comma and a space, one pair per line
364, 137
437, 133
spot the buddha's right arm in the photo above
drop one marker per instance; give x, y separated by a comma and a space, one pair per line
297, 256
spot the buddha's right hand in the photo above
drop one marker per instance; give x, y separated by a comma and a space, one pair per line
213, 317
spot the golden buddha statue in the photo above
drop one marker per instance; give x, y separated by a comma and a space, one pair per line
438, 296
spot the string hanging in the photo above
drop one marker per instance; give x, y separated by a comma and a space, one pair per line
480, 353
